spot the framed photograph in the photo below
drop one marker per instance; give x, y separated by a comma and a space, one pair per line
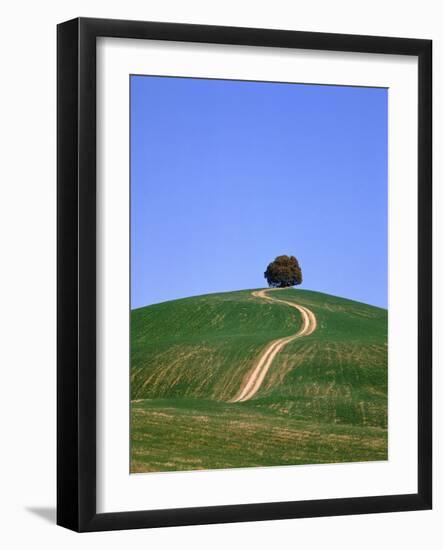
244, 274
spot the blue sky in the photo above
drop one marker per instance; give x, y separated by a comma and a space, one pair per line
226, 175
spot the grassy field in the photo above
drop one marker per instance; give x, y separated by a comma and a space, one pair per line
323, 400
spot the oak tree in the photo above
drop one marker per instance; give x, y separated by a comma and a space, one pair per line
283, 272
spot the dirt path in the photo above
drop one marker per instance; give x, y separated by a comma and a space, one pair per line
258, 373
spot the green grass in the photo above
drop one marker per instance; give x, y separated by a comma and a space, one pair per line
324, 399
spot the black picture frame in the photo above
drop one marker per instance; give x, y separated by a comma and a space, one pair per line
76, 266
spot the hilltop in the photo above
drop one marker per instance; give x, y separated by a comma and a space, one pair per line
322, 399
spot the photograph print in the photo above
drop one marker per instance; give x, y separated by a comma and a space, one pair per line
259, 274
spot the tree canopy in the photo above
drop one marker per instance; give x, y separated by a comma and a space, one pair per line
283, 272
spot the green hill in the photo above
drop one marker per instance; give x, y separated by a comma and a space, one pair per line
323, 400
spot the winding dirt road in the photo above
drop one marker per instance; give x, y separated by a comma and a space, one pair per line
258, 373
